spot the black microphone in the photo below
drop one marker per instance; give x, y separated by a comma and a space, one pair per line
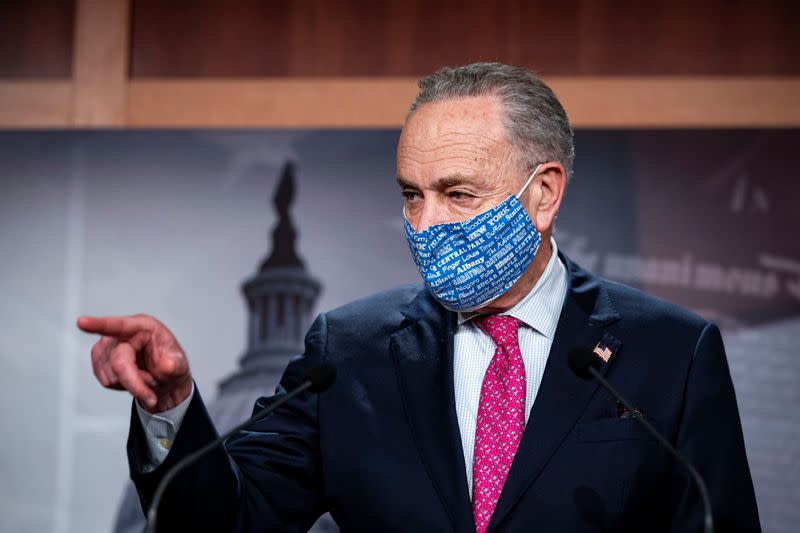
585, 364
318, 379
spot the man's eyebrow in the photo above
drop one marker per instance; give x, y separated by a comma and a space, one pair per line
404, 183
452, 180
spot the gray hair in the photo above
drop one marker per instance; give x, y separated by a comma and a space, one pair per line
536, 123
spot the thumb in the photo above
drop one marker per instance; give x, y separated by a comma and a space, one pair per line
167, 364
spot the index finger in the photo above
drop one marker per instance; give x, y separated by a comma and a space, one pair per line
114, 326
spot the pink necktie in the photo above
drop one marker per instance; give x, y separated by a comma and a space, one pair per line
501, 417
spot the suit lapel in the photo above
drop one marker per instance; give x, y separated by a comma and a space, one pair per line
562, 397
423, 356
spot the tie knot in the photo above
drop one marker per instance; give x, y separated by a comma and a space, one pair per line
501, 328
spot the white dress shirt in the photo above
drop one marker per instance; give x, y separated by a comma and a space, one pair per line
473, 351
160, 429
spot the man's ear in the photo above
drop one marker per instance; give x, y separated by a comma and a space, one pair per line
547, 190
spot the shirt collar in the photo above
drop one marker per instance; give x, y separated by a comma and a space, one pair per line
539, 308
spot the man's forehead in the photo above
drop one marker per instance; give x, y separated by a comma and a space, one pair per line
462, 160
478, 116
456, 136
465, 145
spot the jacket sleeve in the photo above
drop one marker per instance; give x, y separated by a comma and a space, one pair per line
710, 437
265, 478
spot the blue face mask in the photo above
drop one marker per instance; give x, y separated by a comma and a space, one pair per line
466, 265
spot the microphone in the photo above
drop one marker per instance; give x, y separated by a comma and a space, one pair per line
318, 379
584, 364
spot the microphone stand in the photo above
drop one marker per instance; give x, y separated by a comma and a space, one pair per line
708, 523
183, 464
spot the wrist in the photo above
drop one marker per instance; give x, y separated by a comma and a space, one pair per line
172, 397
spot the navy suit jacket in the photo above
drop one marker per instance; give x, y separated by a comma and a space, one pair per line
381, 449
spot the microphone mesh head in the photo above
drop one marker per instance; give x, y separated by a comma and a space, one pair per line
321, 377
580, 360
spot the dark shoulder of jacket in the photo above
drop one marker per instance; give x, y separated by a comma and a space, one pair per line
641, 310
378, 314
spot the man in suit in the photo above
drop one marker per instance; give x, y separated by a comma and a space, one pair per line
454, 408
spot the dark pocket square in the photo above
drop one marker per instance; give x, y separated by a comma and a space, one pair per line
624, 412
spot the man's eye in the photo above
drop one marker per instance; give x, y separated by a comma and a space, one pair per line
410, 195
459, 195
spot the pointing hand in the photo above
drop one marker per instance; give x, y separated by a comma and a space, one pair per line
139, 354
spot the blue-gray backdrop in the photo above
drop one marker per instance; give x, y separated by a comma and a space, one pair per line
170, 223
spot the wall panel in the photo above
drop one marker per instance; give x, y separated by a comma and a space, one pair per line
249, 38
36, 38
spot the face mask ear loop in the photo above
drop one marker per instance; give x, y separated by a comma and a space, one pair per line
530, 178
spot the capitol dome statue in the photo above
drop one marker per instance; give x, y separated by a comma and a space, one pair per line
280, 298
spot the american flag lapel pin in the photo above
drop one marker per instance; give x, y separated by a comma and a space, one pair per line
606, 347
603, 352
